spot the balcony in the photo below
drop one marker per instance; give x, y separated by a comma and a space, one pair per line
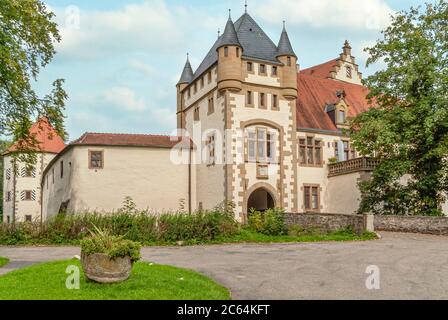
351, 166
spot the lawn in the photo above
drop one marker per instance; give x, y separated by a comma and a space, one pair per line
147, 282
3, 261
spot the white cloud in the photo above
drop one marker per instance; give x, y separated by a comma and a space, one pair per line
365, 14
123, 98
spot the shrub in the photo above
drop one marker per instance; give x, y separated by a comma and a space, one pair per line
271, 222
101, 241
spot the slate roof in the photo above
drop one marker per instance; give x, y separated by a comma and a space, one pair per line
187, 73
229, 37
255, 43
284, 45
48, 140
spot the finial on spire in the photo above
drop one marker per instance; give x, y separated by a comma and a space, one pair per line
284, 24
245, 6
230, 14
188, 56
219, 33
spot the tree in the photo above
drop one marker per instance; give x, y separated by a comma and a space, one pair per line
408, 127
27, 39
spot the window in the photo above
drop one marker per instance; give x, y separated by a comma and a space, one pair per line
237, 52
249, 99
196, 113
288, 61
8, 196
209, 77
274, 71
96, 159
8, 174
48, 178
52, 174
349, 72
202, 82
195, 87
211, 150
28, 172
189, 93
211, 107
311, 198
274, 101
310, 152
341, 117
28, 218
262, 100
28, 195
8, 220
261, 145
250, 67
62, 169
226, 51
262, 69
349, 151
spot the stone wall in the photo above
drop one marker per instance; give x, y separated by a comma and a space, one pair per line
329, 222
417, 224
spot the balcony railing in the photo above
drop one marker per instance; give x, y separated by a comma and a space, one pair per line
354, 165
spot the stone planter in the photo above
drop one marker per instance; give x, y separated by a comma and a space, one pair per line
100, 268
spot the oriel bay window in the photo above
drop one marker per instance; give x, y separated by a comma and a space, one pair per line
310, 151
261, 145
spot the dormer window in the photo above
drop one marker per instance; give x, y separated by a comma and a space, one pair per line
226, 51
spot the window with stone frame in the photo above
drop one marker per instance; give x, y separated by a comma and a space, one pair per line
226, 51
349, 70
202, 82
211, 106
196, 113
310, 151
288, 61
274, 71
250, 67
28, 195
261, 145
28, 218
311, 198
262, 69
274, 101
209, 76
250, 98
96, 159
349, 151
262, 100
211, 149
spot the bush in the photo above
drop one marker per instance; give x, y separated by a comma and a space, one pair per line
142, 227
101, 241
271, 222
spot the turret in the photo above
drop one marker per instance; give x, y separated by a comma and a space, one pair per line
229, 60
185, 80
286, 55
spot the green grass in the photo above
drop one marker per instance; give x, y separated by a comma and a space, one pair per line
147, 282
3, 261
248, 236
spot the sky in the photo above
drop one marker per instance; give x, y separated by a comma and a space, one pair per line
121, 59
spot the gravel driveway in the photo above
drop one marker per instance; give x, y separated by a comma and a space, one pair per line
411, 267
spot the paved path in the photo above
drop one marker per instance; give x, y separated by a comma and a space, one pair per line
412, 267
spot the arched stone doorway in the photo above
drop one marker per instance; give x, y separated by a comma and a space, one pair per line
260, 200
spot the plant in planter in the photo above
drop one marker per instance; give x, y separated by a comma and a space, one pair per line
106, 258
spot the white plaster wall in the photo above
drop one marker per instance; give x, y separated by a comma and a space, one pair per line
342, 73
147, 175
267, 80
343, 194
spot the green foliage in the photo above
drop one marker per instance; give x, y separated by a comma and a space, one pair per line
3, 261
147, 282
27, 38
408, 128
101, 241
271, 222
142, 227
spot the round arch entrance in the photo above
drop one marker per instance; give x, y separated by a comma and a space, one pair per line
260, 200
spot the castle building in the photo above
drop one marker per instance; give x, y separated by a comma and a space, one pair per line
253, 129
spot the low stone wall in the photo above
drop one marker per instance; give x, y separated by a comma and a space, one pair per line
328, 222
413, 224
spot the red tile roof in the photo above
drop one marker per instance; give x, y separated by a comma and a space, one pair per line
315, 93
48, 140
322, 70
128, 140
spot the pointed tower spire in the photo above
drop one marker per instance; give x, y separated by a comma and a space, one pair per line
284, 47
229, 37
347, 48
187, 73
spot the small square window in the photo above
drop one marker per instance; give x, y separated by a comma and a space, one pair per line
28, 218
96, 160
